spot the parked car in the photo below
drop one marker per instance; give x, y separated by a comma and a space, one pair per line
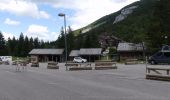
160, 57
79, 60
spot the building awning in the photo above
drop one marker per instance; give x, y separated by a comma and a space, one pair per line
46, 52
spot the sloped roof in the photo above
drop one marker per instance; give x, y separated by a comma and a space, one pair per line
46, 52
129, 47
90, 51
74, 53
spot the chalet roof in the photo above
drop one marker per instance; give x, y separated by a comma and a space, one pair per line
129, 47
90, 51
46, 52
74, 53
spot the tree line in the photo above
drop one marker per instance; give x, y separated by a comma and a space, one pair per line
21, 46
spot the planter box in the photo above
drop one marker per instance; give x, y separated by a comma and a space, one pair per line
34, 65
105, 67
79, 68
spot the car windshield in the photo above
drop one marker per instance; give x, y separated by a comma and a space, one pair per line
77, 57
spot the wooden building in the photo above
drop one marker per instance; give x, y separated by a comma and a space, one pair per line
91, 54
130, 50
45, 55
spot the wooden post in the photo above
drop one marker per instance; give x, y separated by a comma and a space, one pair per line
146, 60
167, 71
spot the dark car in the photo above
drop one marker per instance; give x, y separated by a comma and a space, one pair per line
160, 57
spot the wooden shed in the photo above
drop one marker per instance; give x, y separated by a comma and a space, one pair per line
45, 55
130, 50
91, 54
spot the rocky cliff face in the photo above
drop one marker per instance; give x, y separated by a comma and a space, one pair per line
124, 13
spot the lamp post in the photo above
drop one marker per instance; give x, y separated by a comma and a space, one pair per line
65, 34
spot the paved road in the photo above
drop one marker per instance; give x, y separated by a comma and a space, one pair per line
125, 83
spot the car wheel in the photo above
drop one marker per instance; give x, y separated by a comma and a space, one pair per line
153, 62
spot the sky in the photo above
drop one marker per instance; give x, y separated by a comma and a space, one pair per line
39, 18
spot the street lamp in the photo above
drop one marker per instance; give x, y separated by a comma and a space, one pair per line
65, 34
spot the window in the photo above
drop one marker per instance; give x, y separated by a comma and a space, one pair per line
166, 48
167, 54
159, 54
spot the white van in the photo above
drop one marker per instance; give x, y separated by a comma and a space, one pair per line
6, 58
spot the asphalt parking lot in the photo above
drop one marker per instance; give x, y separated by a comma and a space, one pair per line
125, 83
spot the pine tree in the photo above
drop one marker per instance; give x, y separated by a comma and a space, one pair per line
60, 41
70, 40
26, 48
20, 47
31, 43
36, 43
3, 48
9, 46
2, 41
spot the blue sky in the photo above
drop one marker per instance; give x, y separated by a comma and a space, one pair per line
39, 18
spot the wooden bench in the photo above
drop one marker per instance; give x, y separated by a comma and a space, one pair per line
35, 64
79, 66
14, 63
131, 61
52, 65
158, 73
105, 65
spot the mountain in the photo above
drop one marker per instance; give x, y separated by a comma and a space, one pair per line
143, 21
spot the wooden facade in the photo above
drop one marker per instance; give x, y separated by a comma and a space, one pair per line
91, 54
45, 55
130, 51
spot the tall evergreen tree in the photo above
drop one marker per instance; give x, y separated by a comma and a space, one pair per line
2, 40
14, 47
36, 43
3, 48
9, 46
26, 48
70, 39
60, 41
20, 47
31, 43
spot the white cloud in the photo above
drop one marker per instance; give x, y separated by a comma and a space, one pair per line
41, 32
44, 14
8, 21
87, 11
7, 35
22, 8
